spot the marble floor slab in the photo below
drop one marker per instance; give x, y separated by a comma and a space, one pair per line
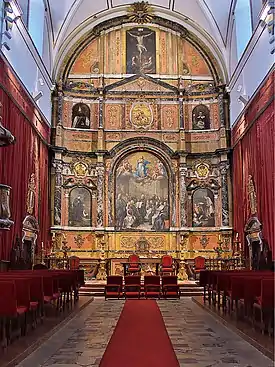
199, 340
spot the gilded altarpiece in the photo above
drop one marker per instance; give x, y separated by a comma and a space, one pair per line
140, 145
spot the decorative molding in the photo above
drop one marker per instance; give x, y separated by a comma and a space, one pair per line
140, 12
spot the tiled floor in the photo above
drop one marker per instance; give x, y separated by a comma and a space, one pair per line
198, 339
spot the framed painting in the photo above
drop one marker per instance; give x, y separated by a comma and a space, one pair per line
142, 193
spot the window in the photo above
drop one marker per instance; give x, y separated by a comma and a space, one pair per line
33, 17
36, 23
24, 5
243, 25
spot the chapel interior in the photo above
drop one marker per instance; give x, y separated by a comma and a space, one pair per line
137, 181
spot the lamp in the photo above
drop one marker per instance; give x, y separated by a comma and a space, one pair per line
243, 99
38, 96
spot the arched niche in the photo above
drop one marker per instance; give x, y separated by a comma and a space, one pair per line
142, 193
201, 118
203, 208
80, 207
81, 116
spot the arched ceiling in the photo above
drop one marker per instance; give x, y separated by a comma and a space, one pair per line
207, 17
70, 13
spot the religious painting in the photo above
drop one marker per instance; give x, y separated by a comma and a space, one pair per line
80, 208
203, 208
142, 201
141, 51
81, 116
201, 117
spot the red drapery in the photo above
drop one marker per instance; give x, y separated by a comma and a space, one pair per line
17, 162
254, 155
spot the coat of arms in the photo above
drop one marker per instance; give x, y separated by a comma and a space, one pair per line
141, 115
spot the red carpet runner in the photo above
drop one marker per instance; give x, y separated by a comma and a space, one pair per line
140, 338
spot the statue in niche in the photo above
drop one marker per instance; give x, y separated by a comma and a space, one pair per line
201, 118
203, 208
81, 116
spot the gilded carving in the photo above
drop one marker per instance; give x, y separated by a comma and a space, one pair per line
140, 12
31, 195
141, 115
80, 169
252, 196
79, 240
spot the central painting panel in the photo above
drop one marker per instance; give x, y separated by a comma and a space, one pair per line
142, 193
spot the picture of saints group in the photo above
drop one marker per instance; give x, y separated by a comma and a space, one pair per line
142, 193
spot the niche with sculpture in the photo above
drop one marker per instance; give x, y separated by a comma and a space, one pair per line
81, 116
80, 207
201, 118
142, 193
203, 208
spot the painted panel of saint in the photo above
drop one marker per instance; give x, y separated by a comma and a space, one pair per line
80, 208
203, 208
81, 116
201, 118
142, 201
141, 51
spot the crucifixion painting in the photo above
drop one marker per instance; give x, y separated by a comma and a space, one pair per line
141, 51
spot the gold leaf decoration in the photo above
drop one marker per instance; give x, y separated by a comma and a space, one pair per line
140, 12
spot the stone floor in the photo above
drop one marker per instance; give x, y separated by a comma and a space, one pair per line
198, 339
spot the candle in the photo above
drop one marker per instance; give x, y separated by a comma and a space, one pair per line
42, 245
219, 237
237, 236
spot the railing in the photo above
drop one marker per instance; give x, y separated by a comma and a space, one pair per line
227, 264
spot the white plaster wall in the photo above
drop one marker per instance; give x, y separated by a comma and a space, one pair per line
33, 72
247, 75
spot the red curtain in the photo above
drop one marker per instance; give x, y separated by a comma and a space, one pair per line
254, 155
17, 163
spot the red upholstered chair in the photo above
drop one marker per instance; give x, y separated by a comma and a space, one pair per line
152, 286
132, 286
170, 287
167, 265
134, 264
199, 265
74, 262
113, 288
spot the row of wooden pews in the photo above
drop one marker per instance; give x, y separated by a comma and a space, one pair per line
245, 294
25, 293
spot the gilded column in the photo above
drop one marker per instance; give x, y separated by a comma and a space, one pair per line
100, 195
183, 195
224, 190
57, 165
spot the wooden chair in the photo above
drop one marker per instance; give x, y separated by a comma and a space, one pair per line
167, 265
170, 287
152, 286
134, 264
113, 288
199, 265
132, 287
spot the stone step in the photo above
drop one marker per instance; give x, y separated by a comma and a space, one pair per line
97, 290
